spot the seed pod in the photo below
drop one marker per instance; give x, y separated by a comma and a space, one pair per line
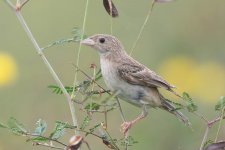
75, 142
110, 8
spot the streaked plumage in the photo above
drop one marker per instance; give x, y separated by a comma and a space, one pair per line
133, 81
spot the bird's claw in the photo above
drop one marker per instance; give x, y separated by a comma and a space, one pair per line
125, 127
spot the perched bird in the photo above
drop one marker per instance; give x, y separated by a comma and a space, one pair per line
132, 81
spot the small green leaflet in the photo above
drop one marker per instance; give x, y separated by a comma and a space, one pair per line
41, 127
66, 125
221, 104
57, 90
2, 126
78, 34
40, 139
92, 106
191, 106
130, 140
60, 130
85, 123
16, 127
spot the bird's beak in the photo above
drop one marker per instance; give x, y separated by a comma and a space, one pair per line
88, 42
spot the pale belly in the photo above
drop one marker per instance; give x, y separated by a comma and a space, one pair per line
135, 94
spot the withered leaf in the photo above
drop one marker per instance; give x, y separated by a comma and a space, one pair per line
114, 11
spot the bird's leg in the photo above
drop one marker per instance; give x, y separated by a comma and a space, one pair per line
127, 125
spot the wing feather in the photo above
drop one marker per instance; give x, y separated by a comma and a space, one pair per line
137, 74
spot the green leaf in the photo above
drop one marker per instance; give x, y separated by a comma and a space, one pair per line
77, 32
59, 42
2, 126
98, 75
130, 141
58, 131
40, 139
221, 104
57, 89
92, 106
85, 123
191, 106
41, 127
16, 127
66, 125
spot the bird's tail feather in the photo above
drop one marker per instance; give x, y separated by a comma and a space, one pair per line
168, 106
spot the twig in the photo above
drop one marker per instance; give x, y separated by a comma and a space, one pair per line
78, 69
51, 70
79, 49
220, 123
204, 138
143, 26
24, 3
210, 123
47, 145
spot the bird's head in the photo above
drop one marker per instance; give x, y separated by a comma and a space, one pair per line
104, 44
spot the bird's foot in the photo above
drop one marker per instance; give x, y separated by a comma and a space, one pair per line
125, 127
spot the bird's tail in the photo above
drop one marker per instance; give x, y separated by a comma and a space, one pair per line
168, 106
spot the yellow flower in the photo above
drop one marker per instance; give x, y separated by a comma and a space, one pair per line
8, 69
203, 81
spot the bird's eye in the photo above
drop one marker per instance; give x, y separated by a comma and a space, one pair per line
102, 40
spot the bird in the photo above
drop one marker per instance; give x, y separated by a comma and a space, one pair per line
131, 80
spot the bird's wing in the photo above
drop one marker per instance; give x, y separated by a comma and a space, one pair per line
137, 74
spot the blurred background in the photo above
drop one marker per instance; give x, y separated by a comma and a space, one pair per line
184, 42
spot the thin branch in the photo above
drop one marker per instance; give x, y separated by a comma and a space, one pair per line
204, 138
51, 70
220, 123
143, 26
9, 3
24, 3
211, 123
47, 145
79, 49
78, 69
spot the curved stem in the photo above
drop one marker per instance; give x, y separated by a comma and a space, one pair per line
143, 26
79, 49
48, 65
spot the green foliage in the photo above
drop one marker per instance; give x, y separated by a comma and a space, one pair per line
2, 126
82, 87
41, 127
221, 104
77, 37
58, 131
66, 125
57, 89
85, 122
130, 141
39, 139
92, 106
16, 127
78, 34
191, 106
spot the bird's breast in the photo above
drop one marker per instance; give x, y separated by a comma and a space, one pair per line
109, 74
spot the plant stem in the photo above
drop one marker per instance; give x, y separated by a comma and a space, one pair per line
50, 146
51, 70
204, 138
143, 26
79, 49
220, 123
